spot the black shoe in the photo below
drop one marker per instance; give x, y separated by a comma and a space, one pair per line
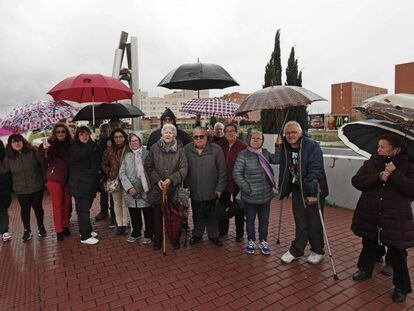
27, 235
112, 224
157, 245
194, 240
176, 244
387, 270
119, 230
101, 216
60, 236
125, 230
360, 275
216, 241
239, 238
66, 231
41, 231
222, 234
398, 295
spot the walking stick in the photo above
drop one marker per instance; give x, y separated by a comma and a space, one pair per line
335, 275
164, 201
280, 221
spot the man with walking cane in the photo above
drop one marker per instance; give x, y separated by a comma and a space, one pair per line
207, 179
302, 174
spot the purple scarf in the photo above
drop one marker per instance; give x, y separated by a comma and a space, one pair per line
265, 164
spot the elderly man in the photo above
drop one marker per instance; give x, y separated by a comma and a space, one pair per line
168, 117
218, 132
301, 169
207, 179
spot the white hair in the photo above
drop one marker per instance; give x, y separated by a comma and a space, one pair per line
170, 127
292, 123
218, 124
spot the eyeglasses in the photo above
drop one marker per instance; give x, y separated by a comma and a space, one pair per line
60, 132
198, 137
117, 137
16, 141
230, 131
85, 133
134, 141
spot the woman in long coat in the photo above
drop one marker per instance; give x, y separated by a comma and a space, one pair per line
383, 215
136, 186
167, 166
26, 172
83, 180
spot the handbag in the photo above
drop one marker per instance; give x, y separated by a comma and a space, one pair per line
183, 196
112, 185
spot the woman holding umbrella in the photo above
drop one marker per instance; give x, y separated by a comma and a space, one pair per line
383, 215
54, 153
166, 166
83, 180
26, 171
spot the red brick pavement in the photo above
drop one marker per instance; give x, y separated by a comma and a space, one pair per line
44, 274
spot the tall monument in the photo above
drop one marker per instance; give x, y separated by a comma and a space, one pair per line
129, 74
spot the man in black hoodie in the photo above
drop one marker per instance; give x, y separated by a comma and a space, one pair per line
168, 117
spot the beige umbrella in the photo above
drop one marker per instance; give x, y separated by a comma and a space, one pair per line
392, 107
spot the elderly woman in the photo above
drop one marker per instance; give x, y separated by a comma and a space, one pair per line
383, 215
111, 162
166, 165
26, 172
136, 186
54, 154
83, 180
255, 178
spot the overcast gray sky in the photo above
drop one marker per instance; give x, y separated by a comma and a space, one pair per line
43, 42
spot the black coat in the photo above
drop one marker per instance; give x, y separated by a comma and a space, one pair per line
385, 205
83, 170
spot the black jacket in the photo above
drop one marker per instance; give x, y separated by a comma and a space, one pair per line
83, 170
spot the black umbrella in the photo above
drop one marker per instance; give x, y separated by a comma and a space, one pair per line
108, 111
362, 136
198, 76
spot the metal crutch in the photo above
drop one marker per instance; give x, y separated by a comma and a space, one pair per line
335, 275
280, 221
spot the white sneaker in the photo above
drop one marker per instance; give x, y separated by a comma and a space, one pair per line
146, 241
6, 237
288, 257
94, 234
314, 258
90, 241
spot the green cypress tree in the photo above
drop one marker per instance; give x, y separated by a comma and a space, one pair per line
294, 77
273, 76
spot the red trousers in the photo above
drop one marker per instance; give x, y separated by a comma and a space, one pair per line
60, 203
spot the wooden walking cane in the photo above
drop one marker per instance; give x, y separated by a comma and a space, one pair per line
164, 201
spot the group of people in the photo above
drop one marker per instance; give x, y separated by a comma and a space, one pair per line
223, 173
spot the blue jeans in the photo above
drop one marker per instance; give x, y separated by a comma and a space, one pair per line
263, 211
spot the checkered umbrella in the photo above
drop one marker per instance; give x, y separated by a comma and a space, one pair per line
37, 115
278, 97
210, 107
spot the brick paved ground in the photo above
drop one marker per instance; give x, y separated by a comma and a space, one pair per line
44, 274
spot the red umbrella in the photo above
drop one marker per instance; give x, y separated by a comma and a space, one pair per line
86, 88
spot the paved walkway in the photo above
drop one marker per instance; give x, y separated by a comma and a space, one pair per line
44, 274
